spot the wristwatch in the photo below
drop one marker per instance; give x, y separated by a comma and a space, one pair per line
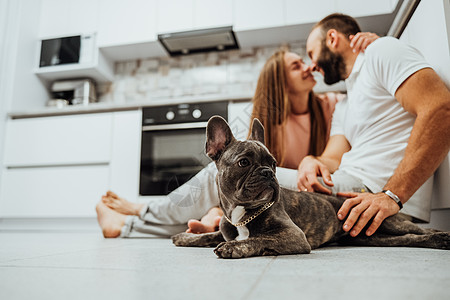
393, 197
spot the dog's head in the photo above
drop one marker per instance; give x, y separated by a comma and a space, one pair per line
246, 169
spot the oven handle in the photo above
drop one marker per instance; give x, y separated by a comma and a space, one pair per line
193, 125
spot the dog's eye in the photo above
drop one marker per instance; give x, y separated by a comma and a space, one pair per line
243, 163
274, 165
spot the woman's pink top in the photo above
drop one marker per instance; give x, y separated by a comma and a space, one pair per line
298, 130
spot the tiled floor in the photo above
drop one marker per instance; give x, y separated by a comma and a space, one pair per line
86, 266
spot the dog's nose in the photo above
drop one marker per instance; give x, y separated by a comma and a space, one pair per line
266, 172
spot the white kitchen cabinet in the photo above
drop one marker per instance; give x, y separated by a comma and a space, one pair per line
60, 166
52, 191
126, 154
62, 18
63, 140
360, 8
174, 15
212, 13
54, 12
306, 11
257, 14
126, 22
66, 17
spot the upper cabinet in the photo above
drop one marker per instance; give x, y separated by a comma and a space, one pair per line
306, 11
256, 14
361, 8
183, 15
115, 21
126, 22
64, 18
128, 29
174, 15
212, 13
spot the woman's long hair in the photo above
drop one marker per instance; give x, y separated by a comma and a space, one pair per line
272, 107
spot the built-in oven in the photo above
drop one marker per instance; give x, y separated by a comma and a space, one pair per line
173, 144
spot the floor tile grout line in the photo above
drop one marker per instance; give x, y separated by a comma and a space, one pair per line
67, 268
258, 280
56, 254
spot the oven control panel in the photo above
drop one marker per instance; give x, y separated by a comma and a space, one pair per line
183, 113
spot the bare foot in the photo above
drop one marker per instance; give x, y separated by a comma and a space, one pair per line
121, 205
209, 222
109, 220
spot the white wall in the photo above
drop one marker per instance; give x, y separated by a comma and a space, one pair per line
428, 32
28, 91
19, 87
9, 28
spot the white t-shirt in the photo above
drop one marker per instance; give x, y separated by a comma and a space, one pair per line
372, 120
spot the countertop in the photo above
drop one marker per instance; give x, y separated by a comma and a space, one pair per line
111, 106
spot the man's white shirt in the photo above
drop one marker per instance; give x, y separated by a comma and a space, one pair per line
373, 121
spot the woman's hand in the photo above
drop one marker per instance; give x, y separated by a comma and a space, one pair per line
308, 170
361, 40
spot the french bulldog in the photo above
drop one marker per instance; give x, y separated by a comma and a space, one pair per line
262, 218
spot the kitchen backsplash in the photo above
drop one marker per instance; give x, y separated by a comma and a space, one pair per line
217, 73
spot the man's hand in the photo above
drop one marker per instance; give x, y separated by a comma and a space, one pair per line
361, 40
308, 170
362, 208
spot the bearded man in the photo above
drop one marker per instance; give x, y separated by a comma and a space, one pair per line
388, 136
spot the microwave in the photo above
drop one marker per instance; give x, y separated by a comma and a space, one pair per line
76, 49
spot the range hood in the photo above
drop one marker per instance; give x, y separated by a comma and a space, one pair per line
197, 41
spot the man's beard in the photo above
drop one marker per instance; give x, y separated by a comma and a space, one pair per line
332, 64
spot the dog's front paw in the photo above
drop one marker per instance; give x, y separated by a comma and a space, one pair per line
183, 239
232, 249
440, 240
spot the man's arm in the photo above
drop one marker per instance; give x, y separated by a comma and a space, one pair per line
311, 167
424, 95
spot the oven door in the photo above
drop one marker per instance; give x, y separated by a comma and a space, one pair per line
171, 154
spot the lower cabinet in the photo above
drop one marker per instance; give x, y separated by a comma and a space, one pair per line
53, 191
69, 163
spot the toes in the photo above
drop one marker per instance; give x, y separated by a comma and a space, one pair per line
112, 194
217, 221
196, 226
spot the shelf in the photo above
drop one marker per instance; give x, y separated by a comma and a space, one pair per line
102, 70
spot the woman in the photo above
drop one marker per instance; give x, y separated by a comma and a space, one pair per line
297, 123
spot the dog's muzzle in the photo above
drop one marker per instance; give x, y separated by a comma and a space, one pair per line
261, 186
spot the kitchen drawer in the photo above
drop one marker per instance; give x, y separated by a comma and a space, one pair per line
52, 191
64, 140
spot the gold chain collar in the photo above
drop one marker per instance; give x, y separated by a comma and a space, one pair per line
260, 211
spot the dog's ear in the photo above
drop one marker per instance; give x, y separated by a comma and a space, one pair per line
218, 137
257, 131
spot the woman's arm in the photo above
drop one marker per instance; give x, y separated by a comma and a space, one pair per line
311, 167
361, 40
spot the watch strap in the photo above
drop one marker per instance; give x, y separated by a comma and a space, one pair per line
393, 197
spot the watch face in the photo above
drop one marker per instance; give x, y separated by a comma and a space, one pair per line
393, 197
